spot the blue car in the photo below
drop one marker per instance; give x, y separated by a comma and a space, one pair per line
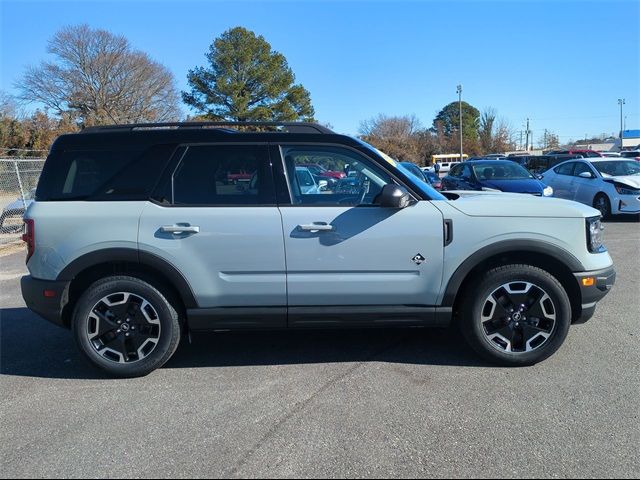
494, 175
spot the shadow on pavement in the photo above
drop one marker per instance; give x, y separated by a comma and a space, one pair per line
31, 347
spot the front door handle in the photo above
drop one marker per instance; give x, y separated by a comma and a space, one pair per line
178, 229
316, 227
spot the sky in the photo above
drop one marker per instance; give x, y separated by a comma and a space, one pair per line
562, 64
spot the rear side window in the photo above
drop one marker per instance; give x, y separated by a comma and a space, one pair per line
565, 169
78, 175
218, 175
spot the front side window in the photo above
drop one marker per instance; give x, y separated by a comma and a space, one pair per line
349, 178
223, 175
581, 168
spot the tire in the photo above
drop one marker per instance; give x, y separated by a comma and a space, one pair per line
601, 202
496, 325
152, 332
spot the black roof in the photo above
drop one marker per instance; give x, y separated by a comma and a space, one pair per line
145, 134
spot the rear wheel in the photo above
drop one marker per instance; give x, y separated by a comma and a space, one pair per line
602, 203
517, 315
126, 326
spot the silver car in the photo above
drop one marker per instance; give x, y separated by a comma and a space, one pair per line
610, 185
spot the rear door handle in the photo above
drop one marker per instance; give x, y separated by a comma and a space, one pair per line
316, 227
177, 229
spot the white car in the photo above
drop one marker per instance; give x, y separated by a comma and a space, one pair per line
610, 185
308, 185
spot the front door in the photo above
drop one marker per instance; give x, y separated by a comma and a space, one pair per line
223, 233
344, 250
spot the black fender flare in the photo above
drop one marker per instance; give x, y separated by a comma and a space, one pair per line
131, 255
505, 247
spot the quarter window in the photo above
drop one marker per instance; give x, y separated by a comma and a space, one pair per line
223, 175
319, 175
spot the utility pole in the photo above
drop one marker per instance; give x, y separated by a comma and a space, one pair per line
527, 146
459, 92
621, 102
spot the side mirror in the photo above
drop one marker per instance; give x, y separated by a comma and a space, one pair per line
586, 175
322, 185
394, 196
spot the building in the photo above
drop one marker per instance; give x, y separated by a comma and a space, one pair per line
630, 140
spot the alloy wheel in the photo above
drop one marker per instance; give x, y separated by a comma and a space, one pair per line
123, 327
518, 317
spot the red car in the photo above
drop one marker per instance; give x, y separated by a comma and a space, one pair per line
319, 171
237, 177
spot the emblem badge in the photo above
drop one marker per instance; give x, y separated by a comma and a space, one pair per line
418, 259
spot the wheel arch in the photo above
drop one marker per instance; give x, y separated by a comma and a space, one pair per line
555, 260
88, 268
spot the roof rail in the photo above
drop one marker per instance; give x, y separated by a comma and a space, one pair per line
289, 127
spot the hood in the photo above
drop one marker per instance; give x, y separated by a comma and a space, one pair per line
631, 180
526, 185
490, 204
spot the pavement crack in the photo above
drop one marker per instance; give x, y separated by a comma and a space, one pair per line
302, 404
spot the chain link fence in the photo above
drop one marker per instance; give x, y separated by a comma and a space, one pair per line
18, 181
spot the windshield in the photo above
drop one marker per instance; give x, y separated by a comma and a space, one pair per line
618, 168
501, 170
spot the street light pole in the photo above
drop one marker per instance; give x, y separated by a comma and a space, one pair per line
459, 92
621, 102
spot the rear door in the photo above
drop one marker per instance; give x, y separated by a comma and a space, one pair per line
222, 233
344, 250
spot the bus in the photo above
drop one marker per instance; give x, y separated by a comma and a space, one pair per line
447, 160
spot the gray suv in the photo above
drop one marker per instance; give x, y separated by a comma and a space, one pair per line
141, 234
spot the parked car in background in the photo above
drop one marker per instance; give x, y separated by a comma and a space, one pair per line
635, 154
495, 156
415, 170
434, 180
494, 175
612, 186
308, 184
585, 153
320, 171
611, 154
11, 217
537, 164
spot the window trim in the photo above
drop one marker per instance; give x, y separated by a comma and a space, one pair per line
176, 160
289, 202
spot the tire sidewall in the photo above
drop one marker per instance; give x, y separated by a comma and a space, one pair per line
473, 328
607, 203
169, 325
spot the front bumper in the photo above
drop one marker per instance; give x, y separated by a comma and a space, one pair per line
47, 298
591, 294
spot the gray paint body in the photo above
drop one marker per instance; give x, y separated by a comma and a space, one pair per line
256, 256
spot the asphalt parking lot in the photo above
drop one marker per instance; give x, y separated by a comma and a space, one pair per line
398, 403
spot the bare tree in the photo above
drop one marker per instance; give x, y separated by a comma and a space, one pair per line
485, 133
98, 78
399, 137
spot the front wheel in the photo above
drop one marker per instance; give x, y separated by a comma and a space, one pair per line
517, 315
602, 203
125, 326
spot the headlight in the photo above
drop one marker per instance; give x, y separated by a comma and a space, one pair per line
547, 192
625, 190
595, 235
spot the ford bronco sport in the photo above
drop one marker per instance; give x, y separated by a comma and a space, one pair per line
137, 237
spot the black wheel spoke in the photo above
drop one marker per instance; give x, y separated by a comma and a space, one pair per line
122, 330
518, 317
